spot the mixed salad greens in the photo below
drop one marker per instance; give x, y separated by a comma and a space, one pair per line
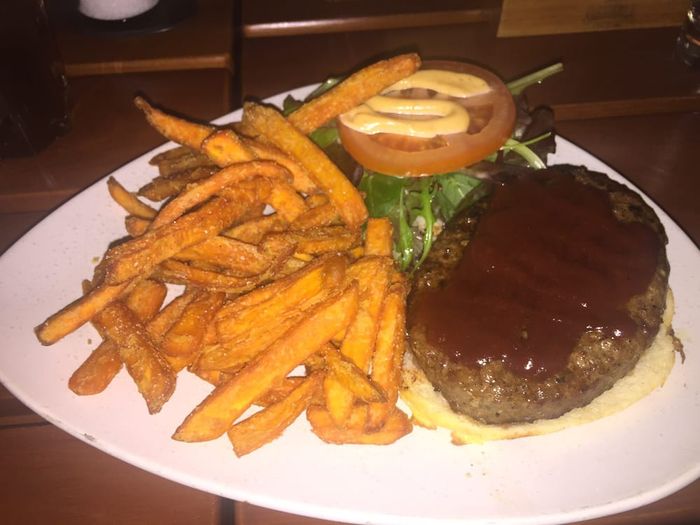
419, 206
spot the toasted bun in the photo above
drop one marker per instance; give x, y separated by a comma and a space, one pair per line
430, 409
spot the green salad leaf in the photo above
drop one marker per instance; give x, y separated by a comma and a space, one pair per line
453, 190
415, 205
290, 105
325, 136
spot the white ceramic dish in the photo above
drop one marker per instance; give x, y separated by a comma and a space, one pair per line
635, 457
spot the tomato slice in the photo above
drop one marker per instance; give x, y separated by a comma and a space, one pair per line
492, 118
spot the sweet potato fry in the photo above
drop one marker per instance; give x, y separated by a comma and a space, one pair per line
272, 289
315, 241
162, 188
351, 376
149, 370
213, 377
326, 239
163, 320
200, 192
128, 200
326, 175
316, 199
182, 131
268, 424
397, 425
176, 272
388, 354
287, 202
97, 371
178, 168
135, 226
146, 298
372, 274
186, 335
140, 255
352, 91
378, 237
267, 304
291, 265
210, 335
233, 353
306, 287
226, 403
279, 391
170, 155
238, 258
316, 217
79, 312
300, 177
224, 148
254, 230
103, 363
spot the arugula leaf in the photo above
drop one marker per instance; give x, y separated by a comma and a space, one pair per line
517, 86
290, 105
323, 87
404, 243
427, 194
453, 188
522, 149
383, 194
324, 136
409, 201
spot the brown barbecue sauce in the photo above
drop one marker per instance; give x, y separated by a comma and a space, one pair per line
546, 262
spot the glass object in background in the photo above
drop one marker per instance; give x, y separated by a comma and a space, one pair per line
115, 9
689, 39
33, 87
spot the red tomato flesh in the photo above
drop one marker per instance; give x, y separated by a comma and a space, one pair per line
492, 118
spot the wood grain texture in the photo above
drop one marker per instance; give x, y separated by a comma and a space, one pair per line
267, 13
612, 73
369, 23
203, 41
47, 476
547, 17
107, 131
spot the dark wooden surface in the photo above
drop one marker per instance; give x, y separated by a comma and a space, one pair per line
198, 42
107, 131
623, 97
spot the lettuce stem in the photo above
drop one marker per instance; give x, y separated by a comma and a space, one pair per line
517, 86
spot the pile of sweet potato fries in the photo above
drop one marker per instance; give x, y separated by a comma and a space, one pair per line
310, 286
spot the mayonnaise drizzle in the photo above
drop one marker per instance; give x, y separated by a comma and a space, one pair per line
451, 83
418, 117
382, 114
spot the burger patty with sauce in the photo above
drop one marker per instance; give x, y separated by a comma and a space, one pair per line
539, 297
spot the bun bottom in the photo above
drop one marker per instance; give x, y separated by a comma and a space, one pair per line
430, 409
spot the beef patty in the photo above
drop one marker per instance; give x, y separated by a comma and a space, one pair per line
512, 334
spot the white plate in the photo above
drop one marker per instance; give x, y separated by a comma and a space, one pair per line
635, 457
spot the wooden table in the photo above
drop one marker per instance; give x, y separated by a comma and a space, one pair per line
623, 97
